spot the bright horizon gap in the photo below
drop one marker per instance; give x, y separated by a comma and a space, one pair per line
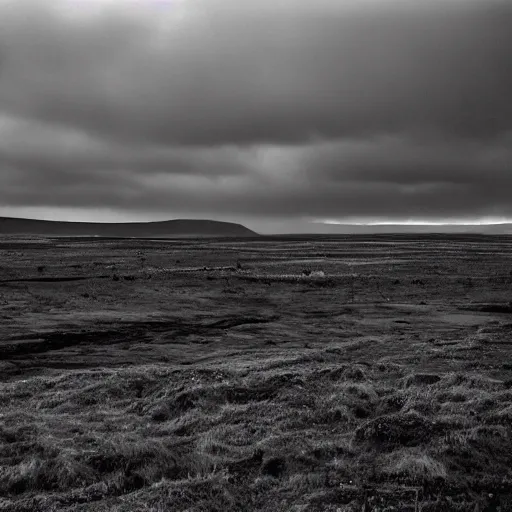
455, 222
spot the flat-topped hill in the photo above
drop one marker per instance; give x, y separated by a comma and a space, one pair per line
163, 229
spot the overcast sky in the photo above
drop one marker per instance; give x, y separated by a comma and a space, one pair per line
276, 113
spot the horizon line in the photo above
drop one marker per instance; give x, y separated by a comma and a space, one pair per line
454, 222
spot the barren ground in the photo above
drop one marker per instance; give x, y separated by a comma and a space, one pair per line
318, 374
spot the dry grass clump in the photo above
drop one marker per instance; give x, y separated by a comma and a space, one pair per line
399, 429
412, 466
470, 381
501, 417
419, 399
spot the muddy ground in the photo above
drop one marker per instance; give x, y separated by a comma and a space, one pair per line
272, 374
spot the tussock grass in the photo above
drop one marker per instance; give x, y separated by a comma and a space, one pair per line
160, 437
413, 466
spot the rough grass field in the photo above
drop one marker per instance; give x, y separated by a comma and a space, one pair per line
268, 374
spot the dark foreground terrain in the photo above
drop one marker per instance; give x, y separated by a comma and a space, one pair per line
269, 374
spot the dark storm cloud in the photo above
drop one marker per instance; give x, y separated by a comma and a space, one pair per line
225, 71
54, 155
390, 179
406, 161
365, 109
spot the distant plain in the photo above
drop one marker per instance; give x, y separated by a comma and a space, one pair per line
306, 373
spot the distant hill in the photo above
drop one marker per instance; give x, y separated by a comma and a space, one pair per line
164, 229
484, 229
